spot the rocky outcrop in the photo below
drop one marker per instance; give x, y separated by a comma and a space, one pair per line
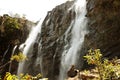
103, 25
13, 31
52, 38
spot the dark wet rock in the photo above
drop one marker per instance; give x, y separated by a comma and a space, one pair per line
104, 27
54, 27
72, 72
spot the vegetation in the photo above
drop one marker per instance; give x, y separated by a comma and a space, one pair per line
107, 70
10, 26
13, 31
9, 76
20, 57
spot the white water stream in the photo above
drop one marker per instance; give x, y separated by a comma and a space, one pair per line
13, 52
27, 47
70, 56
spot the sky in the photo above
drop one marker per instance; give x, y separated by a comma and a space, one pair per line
32, 9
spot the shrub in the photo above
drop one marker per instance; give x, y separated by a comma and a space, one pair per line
107, 70
9, 76
20, 57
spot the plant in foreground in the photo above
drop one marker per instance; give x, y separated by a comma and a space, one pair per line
19, 58
9, 76
107, 70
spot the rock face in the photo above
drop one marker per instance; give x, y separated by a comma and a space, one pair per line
52, 38
103, 25
13, 31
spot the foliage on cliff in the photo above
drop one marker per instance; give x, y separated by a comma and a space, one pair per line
13, 31
11, 28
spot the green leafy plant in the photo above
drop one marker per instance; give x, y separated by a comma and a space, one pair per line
9, 76
107, 70
11, 23
19, 58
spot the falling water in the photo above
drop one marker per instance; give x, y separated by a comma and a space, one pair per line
14, 49
70, 56
27, 47
13, 52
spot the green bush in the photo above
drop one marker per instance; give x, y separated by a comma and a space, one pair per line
11, 25
9, 76
107, 70
20, 57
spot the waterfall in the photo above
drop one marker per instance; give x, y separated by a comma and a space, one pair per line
13, 52
70, 56
27, 47
5, 53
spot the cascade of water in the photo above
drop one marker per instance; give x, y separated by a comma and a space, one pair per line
27, 47
5, 53
13, 52
70, 56
14, 49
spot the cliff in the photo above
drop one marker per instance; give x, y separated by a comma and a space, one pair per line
53, 31
13, 31
103, 25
